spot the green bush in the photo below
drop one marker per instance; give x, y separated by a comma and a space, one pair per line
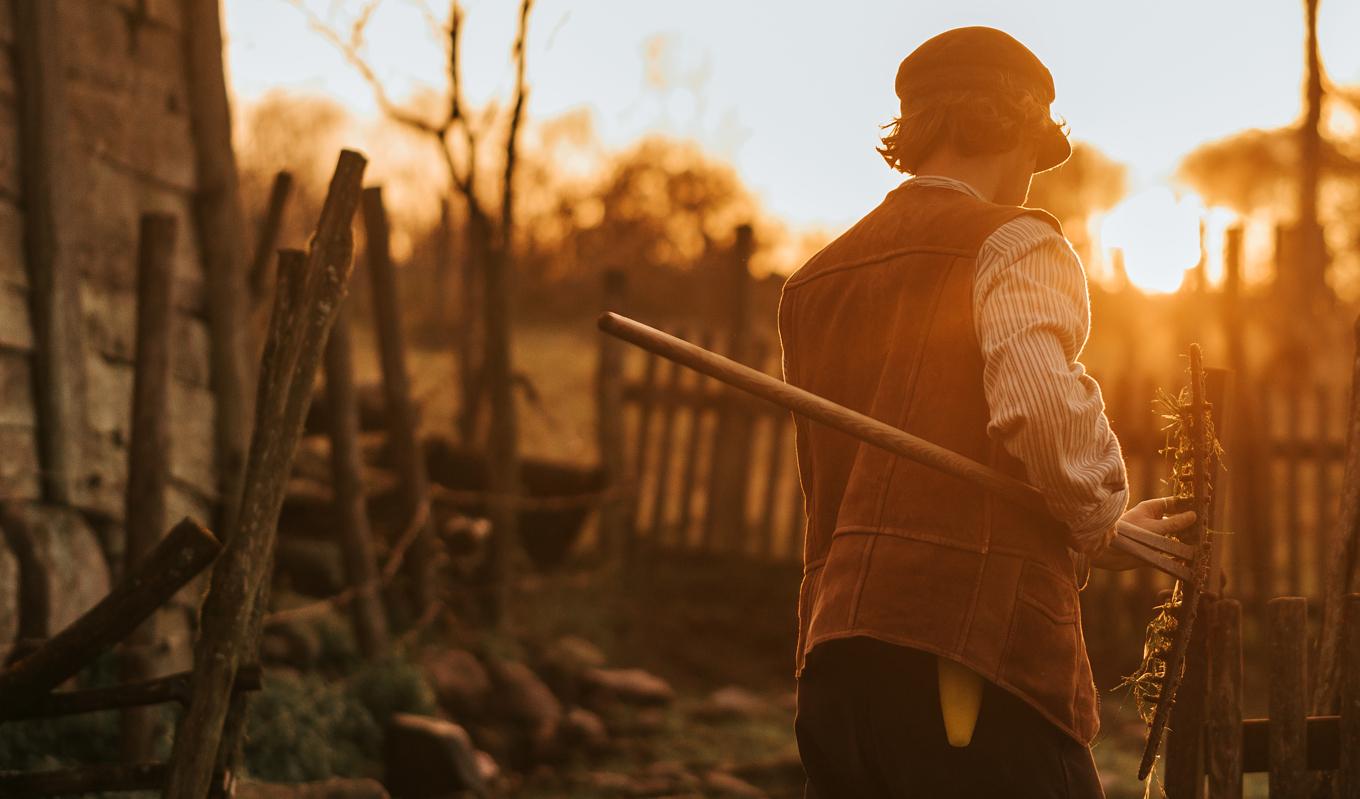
306, 727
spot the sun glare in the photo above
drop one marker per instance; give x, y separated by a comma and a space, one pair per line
1159, 236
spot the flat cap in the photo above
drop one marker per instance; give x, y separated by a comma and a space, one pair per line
981, 59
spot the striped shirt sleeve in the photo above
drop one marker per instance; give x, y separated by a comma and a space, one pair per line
1032, 318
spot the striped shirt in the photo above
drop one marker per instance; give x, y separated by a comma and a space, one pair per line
1031, 311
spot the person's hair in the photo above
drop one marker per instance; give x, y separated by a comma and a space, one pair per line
973, 122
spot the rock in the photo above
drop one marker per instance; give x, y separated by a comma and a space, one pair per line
730, 704
524, 700
429, 758
629, 686
584, 730
460, 682
487, 767
70, 553
335, 788
563, 662
720, 783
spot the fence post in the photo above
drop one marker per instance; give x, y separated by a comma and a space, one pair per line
1223, 721
407, 454
356, 539
1288, 617
1350, 700
609, 423
148, 451
732, 437
670, 400
702, 393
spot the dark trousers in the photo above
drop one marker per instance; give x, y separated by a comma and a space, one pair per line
869, 727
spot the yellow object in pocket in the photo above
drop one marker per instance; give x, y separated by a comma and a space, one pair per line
960, 700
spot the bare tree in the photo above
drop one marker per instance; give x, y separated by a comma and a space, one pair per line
484, 329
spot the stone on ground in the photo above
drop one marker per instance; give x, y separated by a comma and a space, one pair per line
429, 758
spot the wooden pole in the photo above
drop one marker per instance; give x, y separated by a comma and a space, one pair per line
729, 478
1223, 721
1350, 701
54, 298
35, 591
407, 455
609, 423
148, 450
184, 552
1288, 706
1342, 558
305, 309
220, 227
267, 238
170, 688
356, 539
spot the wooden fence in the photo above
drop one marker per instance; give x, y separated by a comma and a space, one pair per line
1213, 744
1283, 444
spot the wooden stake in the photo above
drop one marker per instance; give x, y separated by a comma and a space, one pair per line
1350, 701
54, 299
356, 539
1223, 722
407, 455
231, 618
184, 552
1343, 552
609, 422
1288, 706
267, 238
221, 235
148, 451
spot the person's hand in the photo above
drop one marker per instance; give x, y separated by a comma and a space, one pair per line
1161, 515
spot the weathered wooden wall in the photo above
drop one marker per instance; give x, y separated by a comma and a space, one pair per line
128, 150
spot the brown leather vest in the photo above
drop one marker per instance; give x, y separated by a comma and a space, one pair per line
881, 321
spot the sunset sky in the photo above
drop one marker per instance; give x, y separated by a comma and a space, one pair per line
792, 93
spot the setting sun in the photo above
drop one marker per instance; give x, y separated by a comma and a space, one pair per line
1159, 236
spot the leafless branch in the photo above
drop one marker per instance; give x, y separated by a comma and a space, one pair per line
507, 188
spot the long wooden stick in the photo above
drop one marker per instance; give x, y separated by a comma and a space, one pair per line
1146, 546
231, 618
184, 552
148, 449
170, 688
401, 415
356, 535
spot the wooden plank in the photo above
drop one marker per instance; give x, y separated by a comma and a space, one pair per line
1323, 496
219, 223
110, 323
351, 510
1323, 736
183, 553
661, 487
170, 688
774, 478
642, 445
1185, 731
19, 468
16, 326
1293, 528
701, 387
141, 130
45, 153
729, 483
1223, 720
16, 390
611, 433
148, 455
12, 268
1288, 619
1349, 732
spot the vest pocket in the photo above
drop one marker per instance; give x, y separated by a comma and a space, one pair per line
1043, 651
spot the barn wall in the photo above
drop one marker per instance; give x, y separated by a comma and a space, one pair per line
129, 150
133, 151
